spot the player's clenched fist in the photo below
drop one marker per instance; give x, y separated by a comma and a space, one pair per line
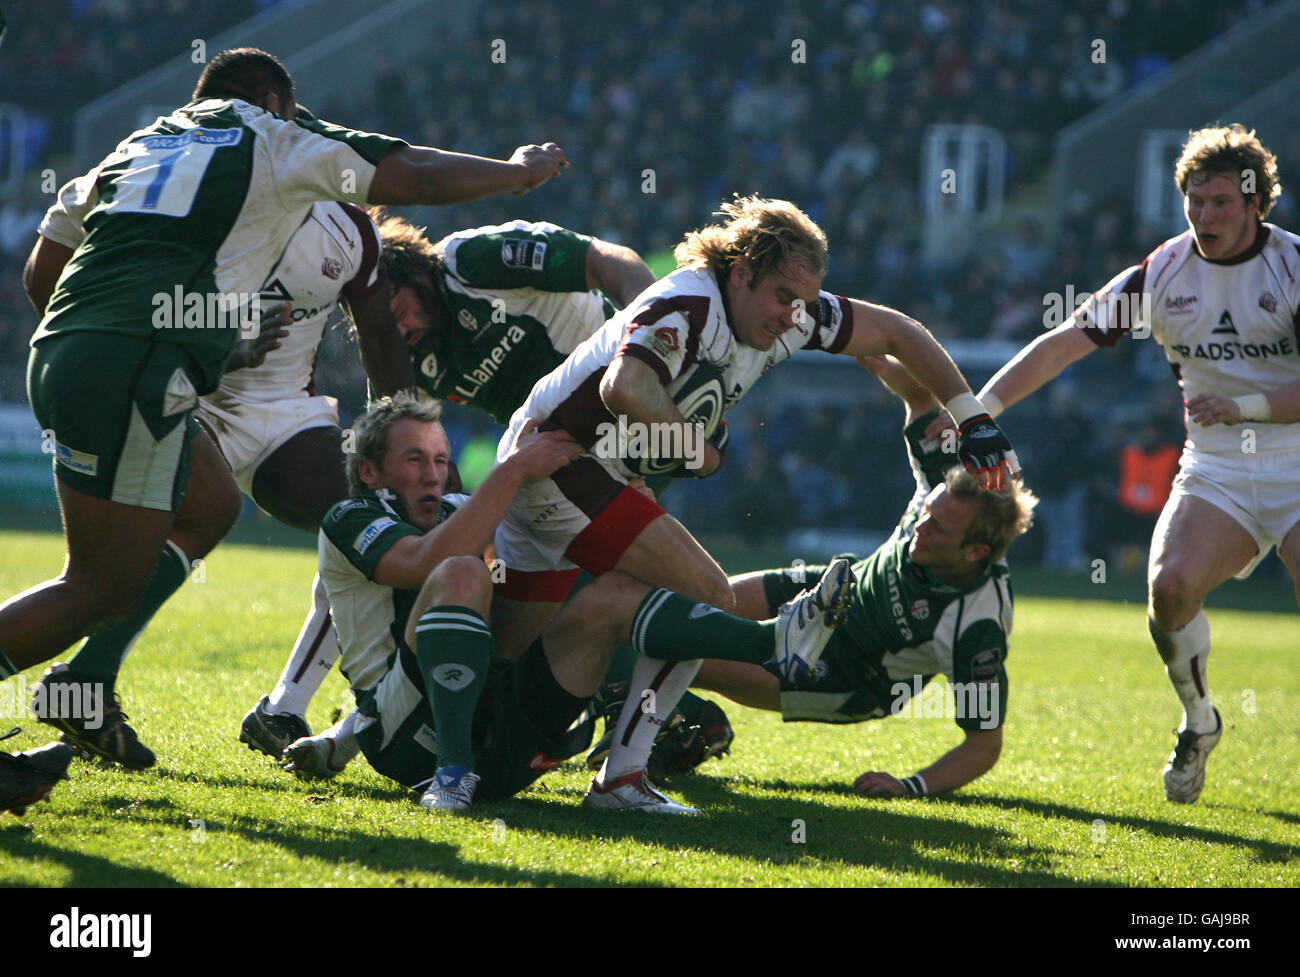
987, 453
540, 164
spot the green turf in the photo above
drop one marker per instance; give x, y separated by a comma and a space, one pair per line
1075, 799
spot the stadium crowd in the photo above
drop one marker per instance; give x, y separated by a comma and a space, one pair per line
622, 108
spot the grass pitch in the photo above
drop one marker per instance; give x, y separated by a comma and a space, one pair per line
1075, 801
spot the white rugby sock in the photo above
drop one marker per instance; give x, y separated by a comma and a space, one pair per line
344, 735
654, 691
313, 655
1185, 652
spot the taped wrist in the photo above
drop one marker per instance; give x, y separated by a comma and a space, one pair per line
916, 785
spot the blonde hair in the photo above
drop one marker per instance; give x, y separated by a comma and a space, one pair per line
767, 232
999, 516
1234, 151
371, 431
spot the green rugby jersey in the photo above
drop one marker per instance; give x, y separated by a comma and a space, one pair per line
183, 222
369, 617
519, 306
904, 627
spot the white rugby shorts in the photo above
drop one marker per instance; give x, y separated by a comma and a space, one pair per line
1260, 491
249, 432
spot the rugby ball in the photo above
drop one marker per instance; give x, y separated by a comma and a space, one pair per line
700, 394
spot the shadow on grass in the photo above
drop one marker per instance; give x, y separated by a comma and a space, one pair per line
762, 830
88, 871
342, 788
377, 852
1266, 851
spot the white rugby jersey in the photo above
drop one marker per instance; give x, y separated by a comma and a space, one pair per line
1228, 327
333, 255
678, 321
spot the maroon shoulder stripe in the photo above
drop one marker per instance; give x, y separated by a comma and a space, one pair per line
360, 286
1132, 291
696, 310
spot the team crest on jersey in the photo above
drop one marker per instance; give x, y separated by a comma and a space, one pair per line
664, 341
331, 268
920, 608
1268, 302
1180, 305
466, 318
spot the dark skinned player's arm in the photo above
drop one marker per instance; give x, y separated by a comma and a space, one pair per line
384, 354
42, 271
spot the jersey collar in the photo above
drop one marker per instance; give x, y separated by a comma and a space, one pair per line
390, 500
1261, 238
923, 576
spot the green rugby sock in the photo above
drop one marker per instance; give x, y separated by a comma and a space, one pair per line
100, 657
454, 648
663, 628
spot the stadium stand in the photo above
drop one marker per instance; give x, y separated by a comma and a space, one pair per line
712, 101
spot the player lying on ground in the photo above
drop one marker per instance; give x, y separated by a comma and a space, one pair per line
748, 296
485, 312
934, 599
439, 711
199, 205
1222, 299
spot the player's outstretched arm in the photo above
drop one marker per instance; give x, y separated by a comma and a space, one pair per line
1278, 406
968, 761
470, 528
423, 175
901, 384
983, 447
617, 271
41, 273
1041, 361
880, 331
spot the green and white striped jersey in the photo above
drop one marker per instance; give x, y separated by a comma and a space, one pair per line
184, 221
519, 305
